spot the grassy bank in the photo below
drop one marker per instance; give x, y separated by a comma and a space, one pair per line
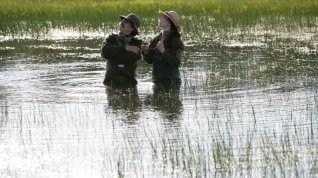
95, 12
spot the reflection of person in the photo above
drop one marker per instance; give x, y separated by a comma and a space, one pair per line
125, 99
165, 51
166, 99
122, 52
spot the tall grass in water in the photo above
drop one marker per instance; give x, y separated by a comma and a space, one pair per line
44, 13
182, 155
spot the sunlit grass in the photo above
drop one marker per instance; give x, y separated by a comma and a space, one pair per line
217, 153
47, 13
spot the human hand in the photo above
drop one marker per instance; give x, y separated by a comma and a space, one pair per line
133, 49
160, 46
145, 48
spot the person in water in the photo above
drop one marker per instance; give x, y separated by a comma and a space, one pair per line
165, 50
122, 52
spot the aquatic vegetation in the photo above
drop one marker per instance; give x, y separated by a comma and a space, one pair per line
247, 106
41, 14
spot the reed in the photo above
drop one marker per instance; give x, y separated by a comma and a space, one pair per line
154, 148
43, 13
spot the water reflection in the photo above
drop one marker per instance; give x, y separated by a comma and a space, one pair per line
239, 96
166, 99
4, 114
125, 99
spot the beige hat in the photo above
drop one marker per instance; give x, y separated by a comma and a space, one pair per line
173, 16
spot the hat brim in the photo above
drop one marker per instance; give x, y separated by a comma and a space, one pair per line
175, 24
132, 23
123, 17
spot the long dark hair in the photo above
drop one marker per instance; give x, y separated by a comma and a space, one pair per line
173, 34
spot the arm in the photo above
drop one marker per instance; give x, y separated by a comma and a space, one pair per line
148, 55
111, 49
173, 55
131, 53
128, 57
173, 61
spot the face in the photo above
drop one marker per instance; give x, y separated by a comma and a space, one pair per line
164, 22
125, 27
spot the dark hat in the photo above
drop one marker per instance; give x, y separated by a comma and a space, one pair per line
133, 18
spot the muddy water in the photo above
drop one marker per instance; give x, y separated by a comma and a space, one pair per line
248, 99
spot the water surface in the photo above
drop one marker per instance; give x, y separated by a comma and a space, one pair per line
247, 106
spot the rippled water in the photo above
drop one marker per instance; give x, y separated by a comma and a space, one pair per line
248, 106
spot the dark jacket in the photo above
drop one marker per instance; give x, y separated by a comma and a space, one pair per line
121, 64
165, 65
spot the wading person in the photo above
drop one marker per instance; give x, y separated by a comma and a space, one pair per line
165, 51
122, 52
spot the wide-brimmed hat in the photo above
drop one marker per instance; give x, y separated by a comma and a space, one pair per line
174, 17
133, 18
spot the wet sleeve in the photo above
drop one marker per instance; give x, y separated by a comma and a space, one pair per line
111, 49
128, 57
149, 56
173, 60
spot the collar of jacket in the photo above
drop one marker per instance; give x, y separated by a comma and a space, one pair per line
124, 40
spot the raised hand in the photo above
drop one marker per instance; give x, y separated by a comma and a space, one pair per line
133, 49
160, 46
145, 48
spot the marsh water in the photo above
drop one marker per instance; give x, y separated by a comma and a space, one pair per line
247, 106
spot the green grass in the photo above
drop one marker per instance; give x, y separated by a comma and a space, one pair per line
93, 13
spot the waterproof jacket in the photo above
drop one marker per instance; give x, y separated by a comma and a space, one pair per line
165, 65
121, 64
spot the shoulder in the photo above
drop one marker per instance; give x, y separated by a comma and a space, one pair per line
112, 37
